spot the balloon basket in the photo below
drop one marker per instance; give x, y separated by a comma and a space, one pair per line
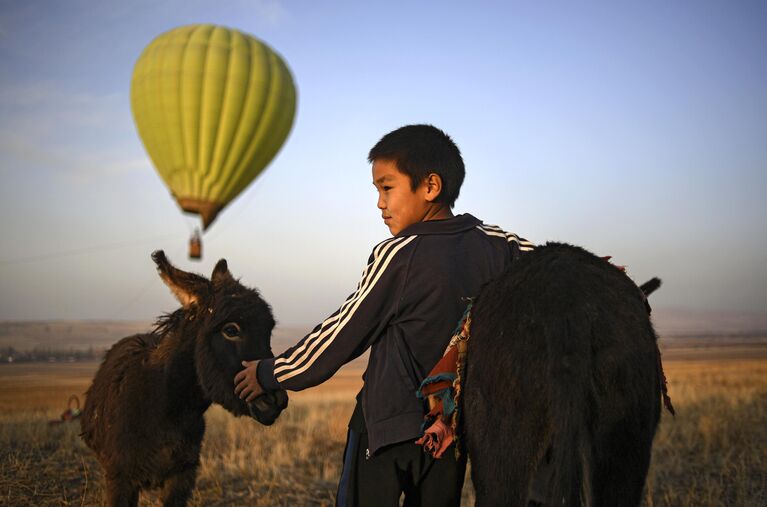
195, 246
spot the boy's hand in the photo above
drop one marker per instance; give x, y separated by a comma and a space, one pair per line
246, 384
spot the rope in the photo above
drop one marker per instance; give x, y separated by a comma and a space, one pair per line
462, 343
664, 384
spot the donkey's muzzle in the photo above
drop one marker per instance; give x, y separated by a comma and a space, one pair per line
268, 406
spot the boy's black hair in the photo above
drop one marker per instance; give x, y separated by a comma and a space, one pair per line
422, 149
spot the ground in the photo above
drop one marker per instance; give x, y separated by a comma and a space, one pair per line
711, 453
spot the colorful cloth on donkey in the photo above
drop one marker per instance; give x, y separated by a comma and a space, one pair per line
442, 389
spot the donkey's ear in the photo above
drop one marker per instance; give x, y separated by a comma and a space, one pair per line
188, 288
221, 272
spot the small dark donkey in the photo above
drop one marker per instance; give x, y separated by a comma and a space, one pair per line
143, 414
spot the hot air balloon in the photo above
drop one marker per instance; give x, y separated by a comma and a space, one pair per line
212, 106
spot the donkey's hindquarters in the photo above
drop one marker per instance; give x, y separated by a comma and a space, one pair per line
562, 392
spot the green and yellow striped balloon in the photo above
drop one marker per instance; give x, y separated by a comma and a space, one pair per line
213, 106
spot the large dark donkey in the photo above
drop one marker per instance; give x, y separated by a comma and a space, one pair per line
562, 390
143, 414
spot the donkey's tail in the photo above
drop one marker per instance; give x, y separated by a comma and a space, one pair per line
569, 346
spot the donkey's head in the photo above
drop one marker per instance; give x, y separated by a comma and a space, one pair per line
230, 323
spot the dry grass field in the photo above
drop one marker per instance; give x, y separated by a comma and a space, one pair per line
713, 453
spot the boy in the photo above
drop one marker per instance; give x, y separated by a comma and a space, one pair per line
412, 293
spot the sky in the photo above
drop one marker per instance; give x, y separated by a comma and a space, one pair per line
633, 129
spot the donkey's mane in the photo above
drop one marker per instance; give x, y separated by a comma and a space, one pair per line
169, 322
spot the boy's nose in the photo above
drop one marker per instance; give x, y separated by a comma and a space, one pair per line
381, 204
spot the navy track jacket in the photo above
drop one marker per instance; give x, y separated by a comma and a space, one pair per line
409, 300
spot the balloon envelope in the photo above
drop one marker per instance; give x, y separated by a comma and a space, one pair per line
212, 106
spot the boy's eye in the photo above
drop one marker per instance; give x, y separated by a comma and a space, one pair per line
386, 188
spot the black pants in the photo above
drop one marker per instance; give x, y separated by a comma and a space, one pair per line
379, 480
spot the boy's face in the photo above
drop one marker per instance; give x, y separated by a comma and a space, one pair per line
400, 206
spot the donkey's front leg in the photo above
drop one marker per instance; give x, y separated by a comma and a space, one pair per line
178, 488
121, 493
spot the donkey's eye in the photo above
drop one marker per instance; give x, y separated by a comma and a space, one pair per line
231, 331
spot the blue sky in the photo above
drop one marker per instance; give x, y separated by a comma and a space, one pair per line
635, 129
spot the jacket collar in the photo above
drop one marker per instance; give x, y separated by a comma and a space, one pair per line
458, 223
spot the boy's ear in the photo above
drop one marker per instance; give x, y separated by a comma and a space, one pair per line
433, 184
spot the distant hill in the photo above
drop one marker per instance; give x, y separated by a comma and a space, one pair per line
66, 334
84, 334
98, 334
55, 341
685, 322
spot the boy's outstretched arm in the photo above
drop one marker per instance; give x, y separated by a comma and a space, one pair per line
350, 330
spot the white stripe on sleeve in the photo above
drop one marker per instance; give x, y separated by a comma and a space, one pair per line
385, 259
494, 230
380, 255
